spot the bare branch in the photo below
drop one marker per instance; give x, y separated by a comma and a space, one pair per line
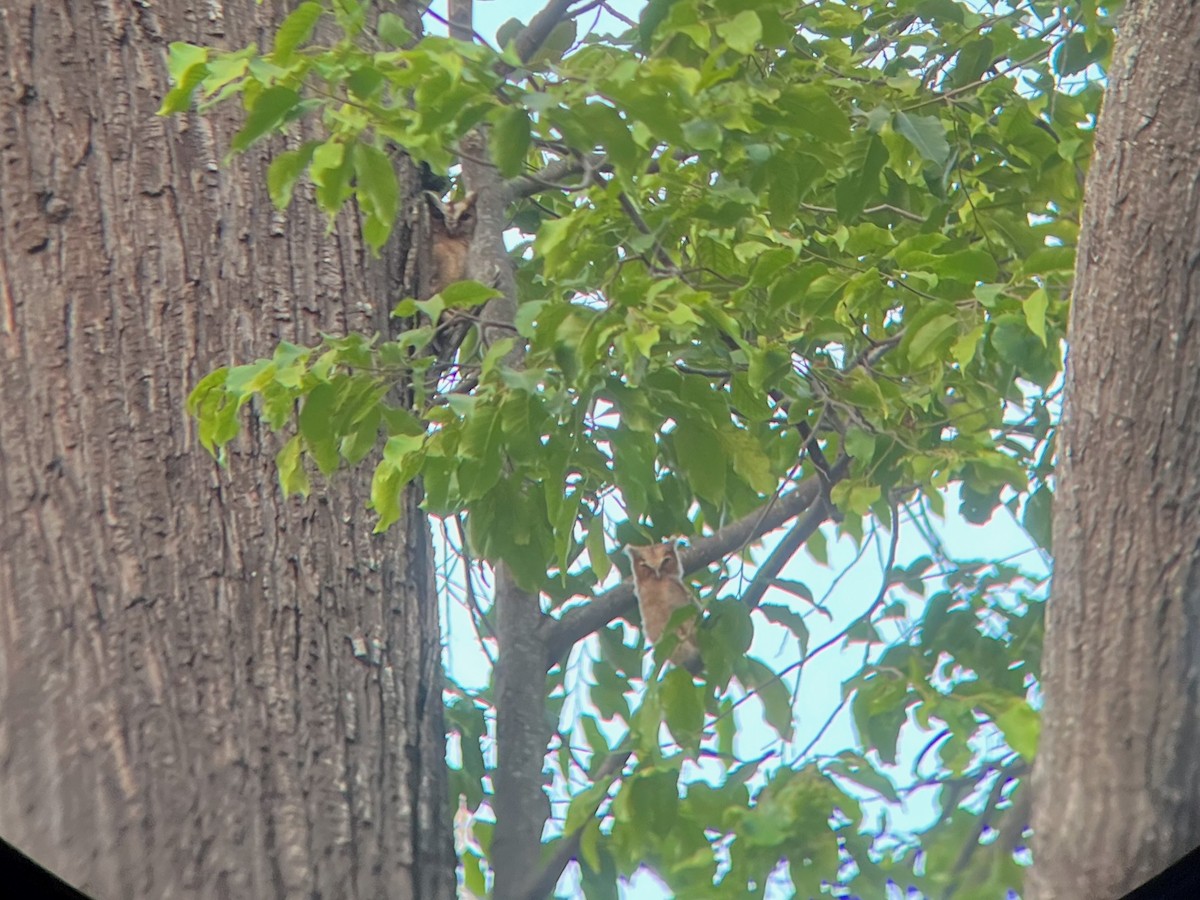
608, 8
550, 177
882, 207
870, 610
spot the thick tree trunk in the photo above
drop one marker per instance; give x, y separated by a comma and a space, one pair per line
186, 707
1117, 787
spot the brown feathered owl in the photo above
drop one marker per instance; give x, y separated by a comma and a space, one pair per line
451, 230
658, 584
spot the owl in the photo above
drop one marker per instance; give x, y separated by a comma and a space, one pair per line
658, 584
451, 229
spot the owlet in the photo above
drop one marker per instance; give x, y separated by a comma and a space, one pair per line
658, 584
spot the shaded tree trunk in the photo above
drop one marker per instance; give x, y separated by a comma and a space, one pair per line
187, 711
1117, 786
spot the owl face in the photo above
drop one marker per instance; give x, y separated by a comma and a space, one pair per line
456, 218
655, 560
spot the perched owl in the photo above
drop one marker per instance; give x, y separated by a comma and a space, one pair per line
451, 229
658, 584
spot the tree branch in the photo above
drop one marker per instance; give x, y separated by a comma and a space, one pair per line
522, 735
560, 635
784, 551
568, 848
534, 34
550, 176
460, 20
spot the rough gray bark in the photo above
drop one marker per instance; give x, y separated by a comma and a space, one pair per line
1117, 784
184, 714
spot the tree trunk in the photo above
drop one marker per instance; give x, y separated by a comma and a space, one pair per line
1117, 789
187, 707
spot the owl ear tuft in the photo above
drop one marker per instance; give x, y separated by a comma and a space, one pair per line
437, 208
634, 553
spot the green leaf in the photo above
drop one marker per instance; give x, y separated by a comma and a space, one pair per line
378, 192
811, 109
1077, 53
265, 115
244, 381
700, 460
355, 446
932, 339
970, 266
386, 486
481, 447
315, 416
597, 554
330, 171
789, 619
215, 411
649, 802
776, 699
1036, 519
683, 705
467, 294
1019, 347
557, 43
392, 30
652, 16
1021, 726
1035, 307
726, 728
186, 65
963, 348
860, 444
510, 140
973, 60
927, 134
880, 710
702, 134
861, 185
292, 477
473, 878
854, 767
401, 447
742, 33
283, 172
723, 638
583, 806
295, 30
588, 847
508, 32
855, 497
182, 57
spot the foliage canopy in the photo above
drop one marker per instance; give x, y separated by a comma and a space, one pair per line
755, 243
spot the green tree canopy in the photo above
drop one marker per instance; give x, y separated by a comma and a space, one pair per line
769, 257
